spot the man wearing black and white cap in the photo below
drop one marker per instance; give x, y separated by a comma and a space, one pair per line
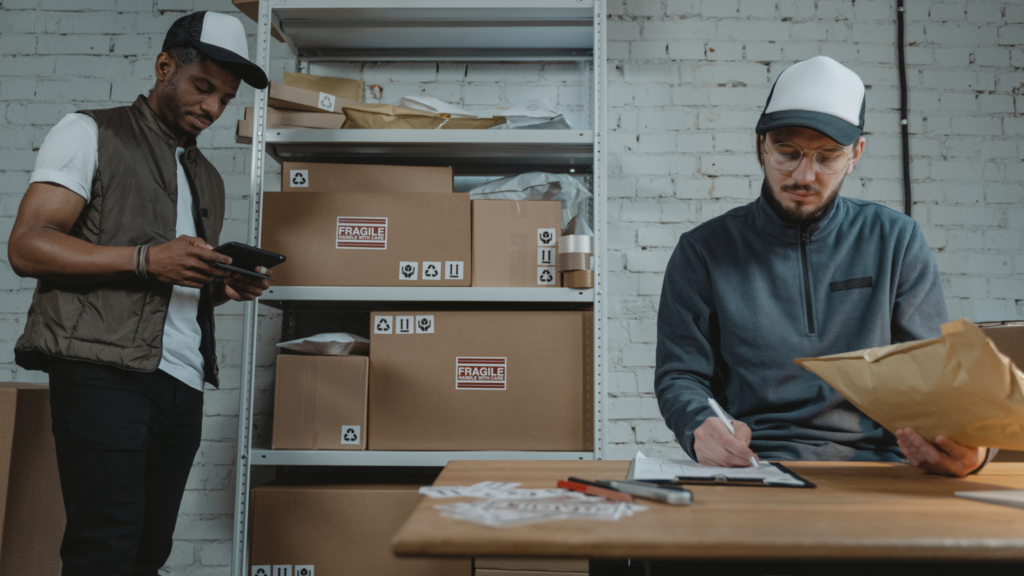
118, 226
800, 272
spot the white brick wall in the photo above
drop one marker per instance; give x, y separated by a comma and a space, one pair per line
687, 81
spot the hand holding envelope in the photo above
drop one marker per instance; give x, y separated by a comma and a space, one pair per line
958, 386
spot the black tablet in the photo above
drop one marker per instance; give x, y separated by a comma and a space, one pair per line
245, 259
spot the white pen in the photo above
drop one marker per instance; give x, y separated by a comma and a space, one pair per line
721, 414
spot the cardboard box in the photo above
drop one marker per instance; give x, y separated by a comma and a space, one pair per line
31, 505
562, 565
320, 402
481, 380
368, 239
292, 98
515, 243
1009, 339
251, 8
339, 530
313, 177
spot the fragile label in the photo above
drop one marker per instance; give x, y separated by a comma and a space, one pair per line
545, 276
325, 102
349, 435
383, 325
475, 373
362, 233
408, 270
432, 270
304, 570
545, 236
545, 256
453, 270
425, 324
299, 178
404, 324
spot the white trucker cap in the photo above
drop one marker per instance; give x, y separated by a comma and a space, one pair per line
820, 94
222, 38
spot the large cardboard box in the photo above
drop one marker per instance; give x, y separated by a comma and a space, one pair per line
313, 177
481, 380
1009, 339
31, 506
515, 243
320, 402
338, 530
368, 239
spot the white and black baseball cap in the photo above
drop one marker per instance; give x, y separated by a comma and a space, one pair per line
820, 94
222, 38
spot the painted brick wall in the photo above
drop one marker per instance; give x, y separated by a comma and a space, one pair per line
687, 81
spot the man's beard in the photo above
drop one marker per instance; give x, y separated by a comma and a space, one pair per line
795, 215
178, 121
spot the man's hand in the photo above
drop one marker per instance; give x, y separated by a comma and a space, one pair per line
242, 287
716, 446
185, 261
948, 457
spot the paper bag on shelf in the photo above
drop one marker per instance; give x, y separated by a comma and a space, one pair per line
384, 116
342, 88
958, 385
473, 123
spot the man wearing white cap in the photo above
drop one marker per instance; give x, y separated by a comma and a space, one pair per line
118, 226
800, 272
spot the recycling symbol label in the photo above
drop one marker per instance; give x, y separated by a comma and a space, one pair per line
349, 435
545, 276
425, 324
326, 102
432, 270
299, 178
306, 570
408, 270
545, 236
261, 571
383, 325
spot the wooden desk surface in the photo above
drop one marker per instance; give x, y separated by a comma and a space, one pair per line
859, 511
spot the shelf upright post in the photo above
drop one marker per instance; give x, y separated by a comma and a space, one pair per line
600, 227
239, 552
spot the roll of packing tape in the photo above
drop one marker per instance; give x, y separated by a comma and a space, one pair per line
578, 279
573, 261
576, 243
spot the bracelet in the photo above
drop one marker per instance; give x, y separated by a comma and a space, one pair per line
142, 262
135, 260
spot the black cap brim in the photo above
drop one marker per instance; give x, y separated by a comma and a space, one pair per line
249, 72
835, 128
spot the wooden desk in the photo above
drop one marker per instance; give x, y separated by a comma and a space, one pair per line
859, 512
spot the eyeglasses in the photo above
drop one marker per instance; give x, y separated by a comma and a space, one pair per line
827, 160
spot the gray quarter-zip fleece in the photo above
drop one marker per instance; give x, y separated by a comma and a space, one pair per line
745, 294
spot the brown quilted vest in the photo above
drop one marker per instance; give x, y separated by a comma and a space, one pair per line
134, 201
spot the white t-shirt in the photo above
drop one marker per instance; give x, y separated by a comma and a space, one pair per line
69, 157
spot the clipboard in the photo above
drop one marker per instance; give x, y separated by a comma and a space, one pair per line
724, 480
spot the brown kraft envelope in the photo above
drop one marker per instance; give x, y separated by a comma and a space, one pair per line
958, 385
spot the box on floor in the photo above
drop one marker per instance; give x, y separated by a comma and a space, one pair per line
317, 177
339, 530
515, 242
31, 506
320, 402
368, 239
481, 380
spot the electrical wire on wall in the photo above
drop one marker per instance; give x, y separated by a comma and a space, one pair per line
904, 125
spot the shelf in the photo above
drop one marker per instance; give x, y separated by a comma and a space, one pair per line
295, 297
432, 30
468, 151
264, 457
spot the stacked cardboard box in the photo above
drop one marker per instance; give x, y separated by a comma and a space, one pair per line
320, 402
506, 235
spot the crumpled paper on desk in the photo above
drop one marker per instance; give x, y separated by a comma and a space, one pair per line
958, 385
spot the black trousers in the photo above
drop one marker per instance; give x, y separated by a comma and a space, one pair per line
125, 445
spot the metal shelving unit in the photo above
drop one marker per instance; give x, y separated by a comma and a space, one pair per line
324, 31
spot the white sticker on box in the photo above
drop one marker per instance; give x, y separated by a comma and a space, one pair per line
361, 233
304, 570
432, 270
453, 270
408, 270
261, 571
349, 435
480, 373
283, 570
546, 236
545, 256
425, 324
325, 102
545, 276
383, 325
299, 178
404, 324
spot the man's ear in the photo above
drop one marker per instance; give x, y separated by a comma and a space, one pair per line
858, 150
165, 66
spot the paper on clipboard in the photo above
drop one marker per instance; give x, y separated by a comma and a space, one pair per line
645, 468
